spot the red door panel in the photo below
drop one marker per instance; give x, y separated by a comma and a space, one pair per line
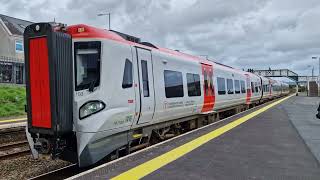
248, 97
39, 83
208, 88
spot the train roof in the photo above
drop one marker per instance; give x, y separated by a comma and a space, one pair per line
85, 31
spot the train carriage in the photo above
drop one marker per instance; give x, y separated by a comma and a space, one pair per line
106, 93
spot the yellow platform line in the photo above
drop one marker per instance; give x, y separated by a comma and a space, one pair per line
12, 120
162, 160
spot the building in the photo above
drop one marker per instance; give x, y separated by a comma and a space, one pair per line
11, 49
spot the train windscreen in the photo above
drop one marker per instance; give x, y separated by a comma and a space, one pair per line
87, 65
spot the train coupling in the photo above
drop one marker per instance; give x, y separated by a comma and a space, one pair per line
43, 146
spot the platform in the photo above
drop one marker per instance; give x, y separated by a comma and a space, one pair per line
278, 140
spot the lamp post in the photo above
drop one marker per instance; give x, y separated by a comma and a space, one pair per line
109, 16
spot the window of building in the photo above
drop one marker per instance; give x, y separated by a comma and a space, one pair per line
230, 86
237, 86
19, 46
173, 84
145, 79
252, 87
221, 86
193, 81
243, 87
22, 26
127, 75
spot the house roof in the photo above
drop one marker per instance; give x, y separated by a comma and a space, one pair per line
14, 25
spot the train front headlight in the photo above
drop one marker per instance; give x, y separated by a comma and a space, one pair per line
90, 108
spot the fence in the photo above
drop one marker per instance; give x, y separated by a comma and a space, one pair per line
12, 70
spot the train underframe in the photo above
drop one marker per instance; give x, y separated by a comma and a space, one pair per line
65, 147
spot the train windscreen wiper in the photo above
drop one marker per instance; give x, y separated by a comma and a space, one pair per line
92, 84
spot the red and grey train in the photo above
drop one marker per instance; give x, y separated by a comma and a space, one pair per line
95, 94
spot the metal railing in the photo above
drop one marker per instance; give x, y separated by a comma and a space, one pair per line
12, 70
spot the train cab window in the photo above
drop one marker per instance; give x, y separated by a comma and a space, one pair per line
173, 84
145, 78
87, 64
193, 82
237, 86
230, 86
243, 87
127, 75
221, 85
252, 87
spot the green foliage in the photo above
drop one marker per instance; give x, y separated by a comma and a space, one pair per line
12, 100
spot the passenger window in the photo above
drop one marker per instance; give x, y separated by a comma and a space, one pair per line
211, 86
194, 88
256, 87
230, 86
206, 86
173, 84
127, 75
243, 87
221, 86
145, 79
237, 86
252, 87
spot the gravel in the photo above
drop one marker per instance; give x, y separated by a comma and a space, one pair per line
25, 167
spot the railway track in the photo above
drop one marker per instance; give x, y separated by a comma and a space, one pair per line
14, 149
11, 131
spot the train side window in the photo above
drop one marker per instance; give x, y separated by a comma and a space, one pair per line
237, 86
193, 83
243, 87
256, 87
230, 86
173, 84
252, 87
221, 86
145, 78
127, 80
206, 86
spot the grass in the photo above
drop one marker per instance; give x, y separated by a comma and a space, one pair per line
12, 101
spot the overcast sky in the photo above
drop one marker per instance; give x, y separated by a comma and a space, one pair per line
242, 33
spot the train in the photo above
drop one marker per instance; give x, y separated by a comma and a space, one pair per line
95, 94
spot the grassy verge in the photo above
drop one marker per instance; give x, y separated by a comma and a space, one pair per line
12, 101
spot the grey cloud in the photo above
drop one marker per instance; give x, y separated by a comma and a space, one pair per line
241, 33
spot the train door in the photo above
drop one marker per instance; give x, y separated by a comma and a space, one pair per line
249, 93
208, 88
145, 71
